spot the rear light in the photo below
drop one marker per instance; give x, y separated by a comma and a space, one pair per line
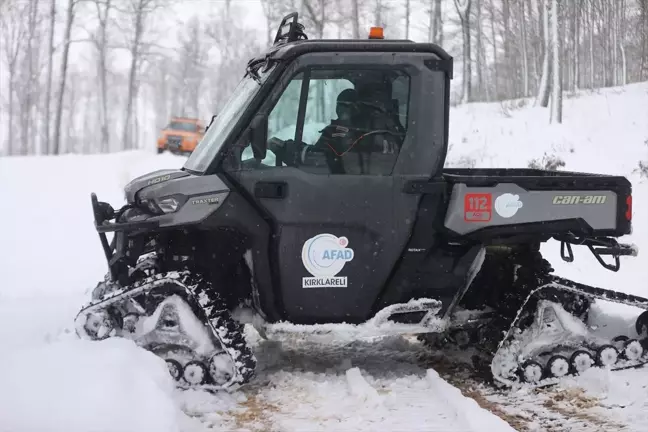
628, 213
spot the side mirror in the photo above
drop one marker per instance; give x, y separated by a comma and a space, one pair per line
258, 129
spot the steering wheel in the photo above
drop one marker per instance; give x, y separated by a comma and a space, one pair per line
368, 134
286, 151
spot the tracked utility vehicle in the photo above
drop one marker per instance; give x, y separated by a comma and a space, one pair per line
319, 195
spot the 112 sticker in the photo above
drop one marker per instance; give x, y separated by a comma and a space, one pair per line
478, 207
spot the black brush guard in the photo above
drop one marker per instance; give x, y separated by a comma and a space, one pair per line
116, 250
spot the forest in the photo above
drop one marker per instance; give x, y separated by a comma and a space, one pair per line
98, 76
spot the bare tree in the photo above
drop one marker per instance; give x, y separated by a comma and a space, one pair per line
556, 95
463, 10
48, 84
643, 31
100, 41
13, 28
525, 51
28, 87
192, 57
355, 19
435, 34
542, 98
408, 12
139, 11
64, 65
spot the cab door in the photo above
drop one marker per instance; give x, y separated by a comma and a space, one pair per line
336, 238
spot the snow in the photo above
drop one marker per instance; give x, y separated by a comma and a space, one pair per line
325, 378
80, 386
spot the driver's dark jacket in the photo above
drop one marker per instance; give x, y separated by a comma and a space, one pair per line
337, 139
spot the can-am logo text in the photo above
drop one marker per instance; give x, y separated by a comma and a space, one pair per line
324, 256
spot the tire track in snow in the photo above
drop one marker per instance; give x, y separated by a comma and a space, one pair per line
342, 386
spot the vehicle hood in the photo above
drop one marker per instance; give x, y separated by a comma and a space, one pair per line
151, 179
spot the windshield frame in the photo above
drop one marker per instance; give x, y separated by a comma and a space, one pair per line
228, 124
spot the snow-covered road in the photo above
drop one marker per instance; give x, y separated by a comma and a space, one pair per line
50, 257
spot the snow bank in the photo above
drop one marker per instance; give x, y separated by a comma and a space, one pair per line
72, 386
52, 246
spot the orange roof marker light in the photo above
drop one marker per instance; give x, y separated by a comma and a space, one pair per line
376, 33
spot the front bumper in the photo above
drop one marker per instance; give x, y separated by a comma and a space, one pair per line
116, 251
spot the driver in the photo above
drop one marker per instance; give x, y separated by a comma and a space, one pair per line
336, 138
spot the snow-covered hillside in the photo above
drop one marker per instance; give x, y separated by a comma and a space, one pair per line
50, 257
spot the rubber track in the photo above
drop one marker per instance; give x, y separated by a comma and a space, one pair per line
208, 308
563, 284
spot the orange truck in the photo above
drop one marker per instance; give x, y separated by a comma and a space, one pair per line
181, 135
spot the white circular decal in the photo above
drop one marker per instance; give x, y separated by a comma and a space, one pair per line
325, 255
507, 205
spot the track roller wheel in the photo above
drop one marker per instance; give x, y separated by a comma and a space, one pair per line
99, 325
461, 338
632, 350
175, 368
641, 325
606, 355
220, 368
557, 366
195, 373
581, 360
531, 371
130, 322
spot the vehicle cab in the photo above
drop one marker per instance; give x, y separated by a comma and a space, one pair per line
295, 170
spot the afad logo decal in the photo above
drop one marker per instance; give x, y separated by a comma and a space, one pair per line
324, 256
507, 205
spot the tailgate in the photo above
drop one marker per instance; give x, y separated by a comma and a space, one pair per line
508, 202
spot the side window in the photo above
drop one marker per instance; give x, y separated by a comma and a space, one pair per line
282, 120
354, 122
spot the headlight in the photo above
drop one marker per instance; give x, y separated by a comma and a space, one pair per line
162, 205
168, 205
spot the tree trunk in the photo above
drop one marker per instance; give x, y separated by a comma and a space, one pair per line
438, 23
479, 56
102, 74
506, 41
29, 84
127, 141
591, 43
542, 98
643, 19
556, 103
624, 67
356, 19
579, 7
494, 43
407, 18
64, 65
525, 55
463, 10
48, 85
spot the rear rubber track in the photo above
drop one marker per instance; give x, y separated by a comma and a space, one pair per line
551, 284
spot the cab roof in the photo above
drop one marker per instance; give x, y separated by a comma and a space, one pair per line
294, 42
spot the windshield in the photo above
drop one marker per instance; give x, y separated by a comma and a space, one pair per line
213, 140
184, 126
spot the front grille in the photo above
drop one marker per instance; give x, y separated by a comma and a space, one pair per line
174, 142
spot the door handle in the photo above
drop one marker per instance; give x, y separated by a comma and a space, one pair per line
274, 190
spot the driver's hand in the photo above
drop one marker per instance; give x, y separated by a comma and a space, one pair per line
293, 152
